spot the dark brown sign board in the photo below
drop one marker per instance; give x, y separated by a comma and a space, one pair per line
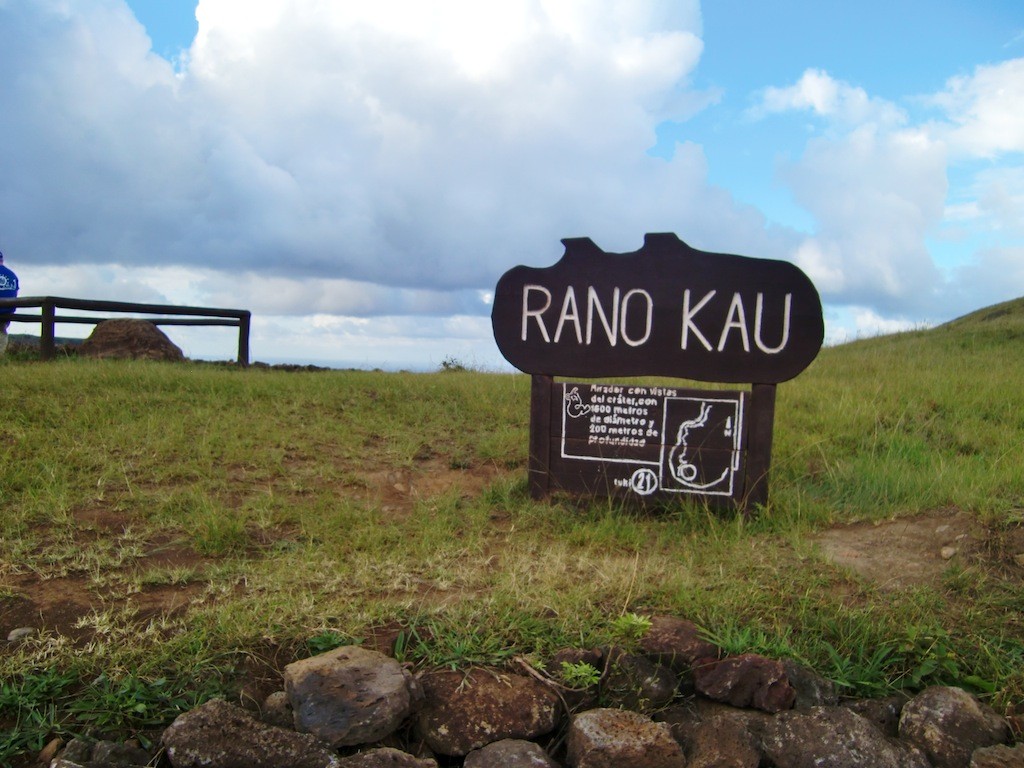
665, 310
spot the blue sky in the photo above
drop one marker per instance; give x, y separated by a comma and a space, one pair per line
359, 174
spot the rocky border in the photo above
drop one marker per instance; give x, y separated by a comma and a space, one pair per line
677, 703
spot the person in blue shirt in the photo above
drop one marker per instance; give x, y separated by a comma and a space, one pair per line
8, 290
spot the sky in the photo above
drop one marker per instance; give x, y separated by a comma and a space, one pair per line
359, 174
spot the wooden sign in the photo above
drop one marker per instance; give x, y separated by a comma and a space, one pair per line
665, 310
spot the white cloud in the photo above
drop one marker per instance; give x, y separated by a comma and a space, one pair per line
994, 275
983, 111
876, 196
386, 142
826, 97
879, 187
858, 322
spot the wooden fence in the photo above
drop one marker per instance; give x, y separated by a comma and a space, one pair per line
48, 317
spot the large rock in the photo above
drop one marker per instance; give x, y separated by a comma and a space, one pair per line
221, 735
464, 711
350, 695
746, 681
677, 643
834, 737
509, 753
723, 741
618, 738
130, 339
949, 724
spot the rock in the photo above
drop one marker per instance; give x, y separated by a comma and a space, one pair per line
464, 711
77, 751
617, 738
350, 695
509, 753
999, 756
834, 737
47, 753
637, 683
277, 710
812, 690
676, 643
19, 634
386, 757
130, 339
116, 753
594, 657
746, 681
948, 724
883, 713
221, 735
714, 734
948, 553
723, 742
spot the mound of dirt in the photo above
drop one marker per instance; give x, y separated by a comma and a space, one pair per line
131, 339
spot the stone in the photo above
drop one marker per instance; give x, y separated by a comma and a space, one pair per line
47, 753
883, 713
277, 710
132, 339
618, 738
812, 690
117, 753
509, 753
464, 711
949, 724
746, 681
637, 683
350, 695
676, 643
221, 735
834, 737
723, 742
386, 757
999, 756
77, 751
19, 634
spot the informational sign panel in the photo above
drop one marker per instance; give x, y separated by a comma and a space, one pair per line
618, 439
665, 310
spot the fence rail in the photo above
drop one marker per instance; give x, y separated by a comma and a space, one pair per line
48, 318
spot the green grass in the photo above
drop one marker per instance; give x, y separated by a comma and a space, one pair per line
272, 513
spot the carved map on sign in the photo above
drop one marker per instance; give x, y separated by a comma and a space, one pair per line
665, 310
617, 438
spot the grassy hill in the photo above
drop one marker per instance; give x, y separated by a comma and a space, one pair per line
173, 532
1008, 316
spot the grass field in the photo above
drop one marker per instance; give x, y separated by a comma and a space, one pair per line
175, 532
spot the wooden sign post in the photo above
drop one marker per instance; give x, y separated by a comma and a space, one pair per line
665, 310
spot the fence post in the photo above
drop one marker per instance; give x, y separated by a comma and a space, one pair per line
47, 346
243, 339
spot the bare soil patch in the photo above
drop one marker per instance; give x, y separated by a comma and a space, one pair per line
58, 605
906, 552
